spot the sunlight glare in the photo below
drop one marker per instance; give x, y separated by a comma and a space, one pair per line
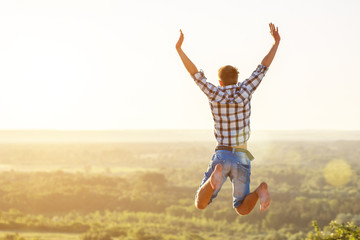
337, 172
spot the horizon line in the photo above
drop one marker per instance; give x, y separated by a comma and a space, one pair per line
163, 129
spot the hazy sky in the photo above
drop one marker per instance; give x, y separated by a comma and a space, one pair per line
113, 64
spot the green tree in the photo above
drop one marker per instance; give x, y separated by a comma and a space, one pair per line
334, 231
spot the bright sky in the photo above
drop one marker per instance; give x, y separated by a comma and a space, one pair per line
72, 64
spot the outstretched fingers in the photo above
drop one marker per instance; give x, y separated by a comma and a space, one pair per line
272, 28
274, 32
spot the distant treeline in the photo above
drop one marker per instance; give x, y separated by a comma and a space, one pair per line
157, 202
68, 202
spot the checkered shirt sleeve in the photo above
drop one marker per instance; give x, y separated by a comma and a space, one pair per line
254, 80
208, 88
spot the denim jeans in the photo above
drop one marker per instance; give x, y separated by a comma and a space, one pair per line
236, 166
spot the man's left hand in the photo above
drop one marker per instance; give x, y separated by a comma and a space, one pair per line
274, 32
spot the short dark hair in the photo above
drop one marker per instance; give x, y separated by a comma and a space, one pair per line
228, 75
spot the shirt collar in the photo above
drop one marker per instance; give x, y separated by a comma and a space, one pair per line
229, 86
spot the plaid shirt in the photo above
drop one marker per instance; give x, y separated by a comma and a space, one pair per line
230, 106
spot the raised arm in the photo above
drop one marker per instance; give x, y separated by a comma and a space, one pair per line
270, 56
189, 65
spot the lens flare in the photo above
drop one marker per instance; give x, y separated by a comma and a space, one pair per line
337, 172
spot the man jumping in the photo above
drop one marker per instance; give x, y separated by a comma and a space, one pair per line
230, 107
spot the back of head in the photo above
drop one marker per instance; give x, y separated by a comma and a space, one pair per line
228, 75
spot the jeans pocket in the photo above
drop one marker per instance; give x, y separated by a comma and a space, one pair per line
219, 158
243, 173
216, 162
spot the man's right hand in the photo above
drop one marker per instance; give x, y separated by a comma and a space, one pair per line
270, 56
180, 41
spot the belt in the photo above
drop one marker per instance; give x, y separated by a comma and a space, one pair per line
231, 149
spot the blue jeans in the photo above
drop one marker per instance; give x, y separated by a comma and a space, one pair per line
236, 166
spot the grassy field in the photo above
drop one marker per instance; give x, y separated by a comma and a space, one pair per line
41, 235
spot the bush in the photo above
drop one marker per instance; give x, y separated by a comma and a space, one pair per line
334, 231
